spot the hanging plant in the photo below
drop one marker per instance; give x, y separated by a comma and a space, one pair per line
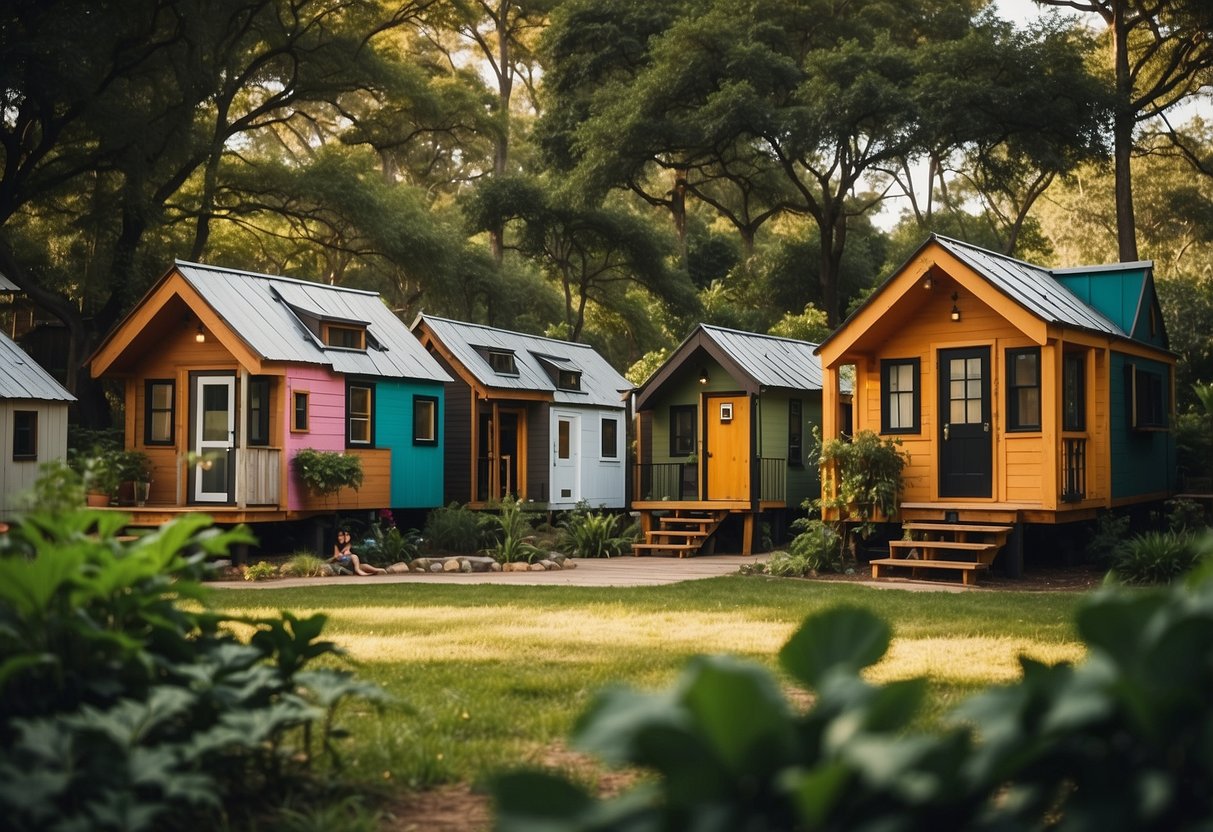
327, 472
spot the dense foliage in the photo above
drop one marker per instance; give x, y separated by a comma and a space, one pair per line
126, 705
1123, 740
327, 472
594, 534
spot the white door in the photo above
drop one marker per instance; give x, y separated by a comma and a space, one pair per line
214, 437
566, 457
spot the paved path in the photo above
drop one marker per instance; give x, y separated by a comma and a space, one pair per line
619, 571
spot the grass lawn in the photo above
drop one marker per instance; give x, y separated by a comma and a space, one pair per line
495, 675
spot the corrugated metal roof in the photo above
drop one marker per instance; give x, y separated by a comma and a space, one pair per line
601, 384
7, 285
1033, 287
770, 360
22, 378
258, 308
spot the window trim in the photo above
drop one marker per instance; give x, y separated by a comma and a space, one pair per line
1078, 361
149, 411
1014, 424
369, 442
574, 385
613, 456
327, 330
1156, 381
29, 453
432, 401
796, 428
491, 355
296, 397
675, 410
887, 365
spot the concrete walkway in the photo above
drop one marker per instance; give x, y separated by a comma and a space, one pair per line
620, 571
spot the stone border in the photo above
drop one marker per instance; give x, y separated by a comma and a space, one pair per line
482, 563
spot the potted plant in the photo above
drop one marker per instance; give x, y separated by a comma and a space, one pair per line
134, 474
100, 478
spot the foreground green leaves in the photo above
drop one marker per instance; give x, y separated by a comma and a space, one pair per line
1123, 740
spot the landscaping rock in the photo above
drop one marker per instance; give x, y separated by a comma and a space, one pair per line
465, 566
397, 568
451, 565
548, 565
435, 567
537, 567
494, 567
569, 564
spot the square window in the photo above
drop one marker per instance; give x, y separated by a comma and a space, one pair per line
425, 420
25, 435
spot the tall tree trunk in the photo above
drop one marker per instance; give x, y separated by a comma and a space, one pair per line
678, 207
1122, 135
833, 225
501, 145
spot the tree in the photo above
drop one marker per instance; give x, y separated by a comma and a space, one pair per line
1161, 54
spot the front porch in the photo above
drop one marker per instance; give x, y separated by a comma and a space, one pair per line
683, 527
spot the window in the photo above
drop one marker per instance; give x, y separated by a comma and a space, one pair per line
1023, 389
682, 430
25, 435
158, 398
259, 411
1073, 392
345, 337
1146, 398
359, 402
564, 439
610, 439
425, 420
795, 433
899, 406
502, 363
299, 411
568, 380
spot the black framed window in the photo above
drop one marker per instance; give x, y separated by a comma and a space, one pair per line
1073, 392
901, 404
682, 429
425, 420
1023, 389
610, 438
568, 380
259, 411
159, 396
503, 363
299, 411
25, 435
795, 432
1147, 398
359, 414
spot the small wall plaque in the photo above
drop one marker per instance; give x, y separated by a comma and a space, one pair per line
726, 411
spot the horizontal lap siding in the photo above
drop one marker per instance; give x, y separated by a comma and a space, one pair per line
326, 421
17, 477
1024, 467
417, 470
374, 493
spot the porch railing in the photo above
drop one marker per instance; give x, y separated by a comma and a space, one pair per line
1074, 470
668, 481
262, 474
773, 479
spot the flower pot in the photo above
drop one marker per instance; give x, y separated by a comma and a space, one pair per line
97, 499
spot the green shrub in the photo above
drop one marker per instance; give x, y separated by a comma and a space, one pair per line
865, 474
512, 531
301, 565
387, 545
126, 705
455, 528
260, 571
1186, 516
327, 472
587, 534
1123, 741
1109, 533
1155, 558
818, 546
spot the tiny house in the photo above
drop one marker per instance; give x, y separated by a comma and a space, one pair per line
228, 374
1019, 394
535, 418
723, 427
33, 423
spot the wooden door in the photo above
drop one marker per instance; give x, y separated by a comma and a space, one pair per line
727, 446
966, 449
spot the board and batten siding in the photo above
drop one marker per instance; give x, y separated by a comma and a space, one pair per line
417, 470
774, 427
18, 476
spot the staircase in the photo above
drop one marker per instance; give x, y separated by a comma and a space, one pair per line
682, 532
967, 547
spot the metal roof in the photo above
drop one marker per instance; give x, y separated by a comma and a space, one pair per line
601, 384
22, 378
264, 310
7, 285
768, 359
1032, 287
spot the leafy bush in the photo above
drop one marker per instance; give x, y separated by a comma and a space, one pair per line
1186, 516
1108, 534
864, 475
818, 546
586, 534
126, 705
301, 565
260, 571
327, 472
455, 528
387, 545
1155, 558
512, 531
1122, 741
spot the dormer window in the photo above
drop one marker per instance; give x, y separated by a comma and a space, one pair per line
503, 363
568, 380
563, 372
343, 337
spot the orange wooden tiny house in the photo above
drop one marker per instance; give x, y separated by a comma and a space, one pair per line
1019, 394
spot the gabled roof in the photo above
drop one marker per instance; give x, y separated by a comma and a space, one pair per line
470, 344
22, 378
755, 361
267, 313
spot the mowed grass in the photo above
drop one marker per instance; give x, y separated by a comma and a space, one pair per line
491, 676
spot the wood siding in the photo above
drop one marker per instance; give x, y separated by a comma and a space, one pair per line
375, 493
18, 476
538, 451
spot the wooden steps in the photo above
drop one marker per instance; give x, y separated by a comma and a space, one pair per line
966, 547
682, 533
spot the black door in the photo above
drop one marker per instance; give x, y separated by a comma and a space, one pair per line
966, 456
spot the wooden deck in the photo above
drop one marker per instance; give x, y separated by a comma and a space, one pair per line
990, 512
157, 515
682, 527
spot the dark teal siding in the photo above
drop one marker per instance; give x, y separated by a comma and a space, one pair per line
1143, 461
